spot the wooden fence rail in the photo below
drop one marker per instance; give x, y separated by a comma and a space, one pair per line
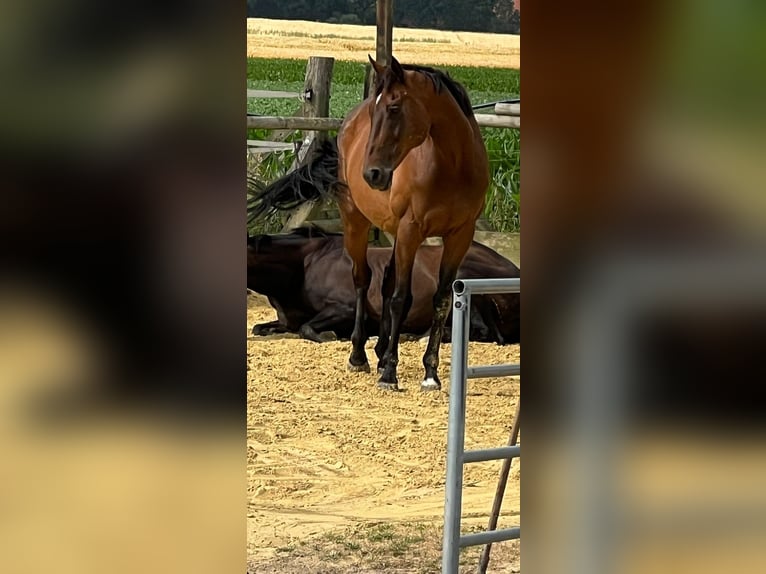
314, 102
328, 124
269, 94
508, 109
265, 146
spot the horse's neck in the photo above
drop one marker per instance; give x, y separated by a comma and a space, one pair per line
446, 116
450, 130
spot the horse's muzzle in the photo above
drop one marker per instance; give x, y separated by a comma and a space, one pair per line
378, 178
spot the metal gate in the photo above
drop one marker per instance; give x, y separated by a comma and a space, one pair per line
457, 456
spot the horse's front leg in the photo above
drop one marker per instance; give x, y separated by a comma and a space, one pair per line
455, 248
356, 230
408, 239
387, 291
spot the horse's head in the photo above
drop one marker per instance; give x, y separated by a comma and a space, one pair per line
399, 122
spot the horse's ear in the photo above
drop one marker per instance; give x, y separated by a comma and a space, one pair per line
396, 67
375, 66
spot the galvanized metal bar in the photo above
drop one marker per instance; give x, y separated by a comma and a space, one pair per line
490, 536
461, 309
456, 454
484, 371
497, 453
487, 286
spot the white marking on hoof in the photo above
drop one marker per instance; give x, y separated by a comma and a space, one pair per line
430, 385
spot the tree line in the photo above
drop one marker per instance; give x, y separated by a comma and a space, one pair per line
498, 16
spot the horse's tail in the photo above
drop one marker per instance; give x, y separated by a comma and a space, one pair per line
316, 178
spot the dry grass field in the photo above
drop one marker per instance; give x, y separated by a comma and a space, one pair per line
297, 39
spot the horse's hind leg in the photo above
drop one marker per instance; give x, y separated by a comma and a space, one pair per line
356, 229
455, 248
330, 318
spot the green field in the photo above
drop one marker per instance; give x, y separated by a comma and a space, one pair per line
483, 85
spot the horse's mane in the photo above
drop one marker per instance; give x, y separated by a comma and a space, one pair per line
439, 79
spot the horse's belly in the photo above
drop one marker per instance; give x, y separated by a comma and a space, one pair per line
418, 320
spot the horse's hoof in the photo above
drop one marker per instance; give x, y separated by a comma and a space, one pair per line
386, 386
363, 368
430, 385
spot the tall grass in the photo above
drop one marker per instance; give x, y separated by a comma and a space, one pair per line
503, 207
483, 85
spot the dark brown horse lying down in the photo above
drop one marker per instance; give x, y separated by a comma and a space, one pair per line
307, 278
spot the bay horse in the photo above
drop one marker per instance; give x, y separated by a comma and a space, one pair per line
412, 162
306, 276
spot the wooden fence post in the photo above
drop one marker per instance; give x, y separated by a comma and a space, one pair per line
316, 91
385, 22
384, 18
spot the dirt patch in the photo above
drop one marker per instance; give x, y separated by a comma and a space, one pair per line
328, 453
296, 39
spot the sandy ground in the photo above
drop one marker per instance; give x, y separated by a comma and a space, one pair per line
298, 39
327, 450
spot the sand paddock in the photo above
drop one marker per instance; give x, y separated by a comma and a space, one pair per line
328, 451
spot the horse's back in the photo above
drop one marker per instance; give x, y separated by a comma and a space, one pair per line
328, 275
483, 262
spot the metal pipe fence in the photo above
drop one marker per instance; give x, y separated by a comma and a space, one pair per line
457, 456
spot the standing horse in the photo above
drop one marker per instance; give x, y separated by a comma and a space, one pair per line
411, 161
